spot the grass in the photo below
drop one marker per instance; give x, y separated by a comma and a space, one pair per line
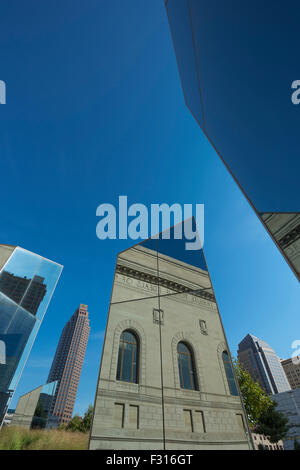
18, 438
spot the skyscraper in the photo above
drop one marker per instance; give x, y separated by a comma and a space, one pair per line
27, 282
260, 360
67, 364
253, 124
166, 378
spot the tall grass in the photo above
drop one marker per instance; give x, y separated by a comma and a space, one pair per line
18, 438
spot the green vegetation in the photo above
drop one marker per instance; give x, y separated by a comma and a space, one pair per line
260, 408
273, 424
256, 401
18, 438
296, 445
78, 424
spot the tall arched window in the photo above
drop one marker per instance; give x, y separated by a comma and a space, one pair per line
127, 369
186, 367
229, 373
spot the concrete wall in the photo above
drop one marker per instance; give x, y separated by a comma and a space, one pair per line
25, 408
5, 252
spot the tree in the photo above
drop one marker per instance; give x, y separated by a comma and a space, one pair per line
256, 401
87, 419
273, 424
260, 408
74, 425
78, 424
296, 445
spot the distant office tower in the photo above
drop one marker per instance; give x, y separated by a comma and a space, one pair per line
166, 377
260, 360
291, 368
67, 364
27, 282
256, 134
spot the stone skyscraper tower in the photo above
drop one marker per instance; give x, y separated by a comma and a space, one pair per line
67, 364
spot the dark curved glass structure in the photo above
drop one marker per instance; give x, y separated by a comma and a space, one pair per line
240, 78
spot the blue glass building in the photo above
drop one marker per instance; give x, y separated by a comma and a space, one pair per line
27, 282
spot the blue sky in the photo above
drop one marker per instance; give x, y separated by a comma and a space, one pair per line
95, 110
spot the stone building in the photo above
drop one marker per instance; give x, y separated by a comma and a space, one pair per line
262, 442
166, 379
291, 368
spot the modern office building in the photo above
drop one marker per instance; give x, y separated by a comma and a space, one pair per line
166, 378
67, 364
34, 408
27, 282
260, 360
225, 54
8, 417
288, 403
291, 368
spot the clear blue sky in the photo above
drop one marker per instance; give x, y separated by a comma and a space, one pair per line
95, 110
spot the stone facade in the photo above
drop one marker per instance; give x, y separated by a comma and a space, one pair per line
285, 228
262, 442
25, 408
156, 413
291, 368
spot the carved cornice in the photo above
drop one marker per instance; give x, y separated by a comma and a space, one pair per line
159, 281
290, 237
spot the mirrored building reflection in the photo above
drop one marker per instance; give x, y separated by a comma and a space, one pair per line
27, 282
33, 410
166, 377
226, 54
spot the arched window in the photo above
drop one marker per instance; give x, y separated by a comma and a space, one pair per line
127, 369
229, 373
186, 367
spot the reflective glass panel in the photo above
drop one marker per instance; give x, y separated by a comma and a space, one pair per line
27, 282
